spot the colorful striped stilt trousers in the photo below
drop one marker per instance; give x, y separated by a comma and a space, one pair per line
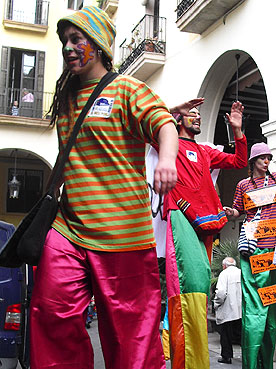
258, 321
188, 285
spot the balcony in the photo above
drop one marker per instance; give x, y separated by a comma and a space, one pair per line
17, 105
110, 7
196, 16
145, 51
28, 16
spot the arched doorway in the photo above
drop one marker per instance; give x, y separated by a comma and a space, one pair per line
220, 89
31, 171
250, 90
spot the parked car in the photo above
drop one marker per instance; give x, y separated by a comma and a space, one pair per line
15, 291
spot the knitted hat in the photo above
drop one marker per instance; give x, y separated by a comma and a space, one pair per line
259, 149
95, 23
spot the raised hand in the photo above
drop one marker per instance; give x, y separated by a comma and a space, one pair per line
185, 107
235, 118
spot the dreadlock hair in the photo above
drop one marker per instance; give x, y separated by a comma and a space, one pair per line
66, 88
251, 169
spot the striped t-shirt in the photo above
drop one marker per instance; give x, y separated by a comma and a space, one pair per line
105, 202
268, 211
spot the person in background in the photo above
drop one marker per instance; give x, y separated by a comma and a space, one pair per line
187, 250
15, 109
227, 305
258, 321
101, 242
27, 96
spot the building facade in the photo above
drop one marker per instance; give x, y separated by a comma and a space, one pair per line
182, 49
30, 63
220, 50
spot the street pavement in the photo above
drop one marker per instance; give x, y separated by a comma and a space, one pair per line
214, 351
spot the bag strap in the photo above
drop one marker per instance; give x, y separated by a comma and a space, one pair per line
106, 79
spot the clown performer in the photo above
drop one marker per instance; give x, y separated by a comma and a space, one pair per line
258, 320
101, 242
194, 213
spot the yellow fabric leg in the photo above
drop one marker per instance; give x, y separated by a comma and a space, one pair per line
195, 330
166, 344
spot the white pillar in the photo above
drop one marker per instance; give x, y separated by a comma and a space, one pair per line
269, 131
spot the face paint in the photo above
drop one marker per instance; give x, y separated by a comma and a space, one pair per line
189, 121
86, 52
192, 124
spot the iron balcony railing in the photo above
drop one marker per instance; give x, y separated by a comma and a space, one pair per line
149, 35
37, 14
33, 104
183, 6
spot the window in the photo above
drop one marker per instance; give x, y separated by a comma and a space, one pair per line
31, 186
21, 80
31, 11
75, 4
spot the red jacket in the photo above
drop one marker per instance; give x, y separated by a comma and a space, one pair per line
191, 160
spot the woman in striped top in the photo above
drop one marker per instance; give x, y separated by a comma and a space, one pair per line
258, 321
101, 242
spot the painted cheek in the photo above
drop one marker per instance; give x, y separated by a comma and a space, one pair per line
189, 121
86, 52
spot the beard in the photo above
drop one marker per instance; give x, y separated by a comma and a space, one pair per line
194, 130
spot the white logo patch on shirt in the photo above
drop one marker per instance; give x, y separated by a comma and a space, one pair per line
102, 107
191, 155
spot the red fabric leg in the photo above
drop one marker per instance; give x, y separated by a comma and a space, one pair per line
127, 294
208, 242
60, 297
129, 306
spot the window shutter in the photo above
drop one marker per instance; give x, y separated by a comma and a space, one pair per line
9, 9
39, 82
5, 62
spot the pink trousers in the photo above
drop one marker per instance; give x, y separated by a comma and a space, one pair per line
127, 294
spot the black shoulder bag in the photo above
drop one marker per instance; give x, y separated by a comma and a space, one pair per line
26, 243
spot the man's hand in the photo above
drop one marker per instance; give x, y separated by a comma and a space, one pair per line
184, 108
235, 118
165, 176
230, 212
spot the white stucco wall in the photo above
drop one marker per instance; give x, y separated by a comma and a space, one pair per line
249, 28
202, 65
39, 141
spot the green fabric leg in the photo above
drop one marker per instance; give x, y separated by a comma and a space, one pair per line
191, 257
258, 321
189, 286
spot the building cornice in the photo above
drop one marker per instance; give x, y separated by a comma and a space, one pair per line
11, 120
11, 24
